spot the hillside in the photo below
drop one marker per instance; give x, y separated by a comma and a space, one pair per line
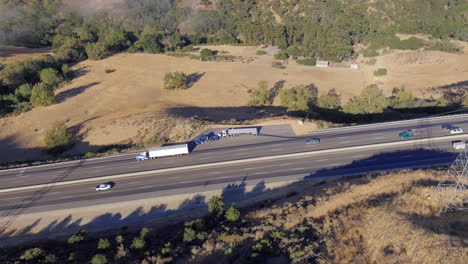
380, 218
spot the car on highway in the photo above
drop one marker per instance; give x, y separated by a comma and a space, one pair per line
459, 144
456, 130
312, 141
406, 134
104, 187
447, 126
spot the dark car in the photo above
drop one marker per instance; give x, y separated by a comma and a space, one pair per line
312, 141
447, 126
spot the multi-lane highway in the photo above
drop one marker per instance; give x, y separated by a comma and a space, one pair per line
272, 141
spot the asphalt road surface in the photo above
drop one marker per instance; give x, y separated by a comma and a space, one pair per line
273, 140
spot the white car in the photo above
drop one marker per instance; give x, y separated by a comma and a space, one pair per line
456, 130
459, 144
103, 187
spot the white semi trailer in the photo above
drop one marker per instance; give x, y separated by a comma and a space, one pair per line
174, 150
240, 131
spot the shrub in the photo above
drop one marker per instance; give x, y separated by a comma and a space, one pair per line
370, 53
138, 243
175, 80
144, 232
50, 259
278, 65
50, 77
261, 52
33, 253
78, 237
202, 236
189, 234
372, 61
42, 95
109, 70
57, 139
166, 250
96, 51
380, 72
330, 100
216, 206
307, 62
282, 55
206, 53
296, 99
462, 34
24, 91
67, 71
371, 100
188, 48
260, 96
444, 46
90, 154
73, 256
232, 214
99, 259
103, 243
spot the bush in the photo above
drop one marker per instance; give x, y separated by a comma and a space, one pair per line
261, 52
50, 259
103, 243
138, 243
296, 99
175, 80
260, 96
307, 62
109, 70
58, 139
144, 232
42, 95
24, 91
202, 236
189, 234
232, 214
278, 65
444, 46
188, 48
78, 237
33, 253
282, 55
206, 53
380, 72
216, 206
462, 34
330, 100
370, 101
50, 77
67, 72
90, 154
99, 259
96, 51
372, 61
370, 53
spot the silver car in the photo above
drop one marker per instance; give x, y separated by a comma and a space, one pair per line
456, 130
104, 187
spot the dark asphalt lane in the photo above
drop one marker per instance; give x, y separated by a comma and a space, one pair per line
222, 150
176, 182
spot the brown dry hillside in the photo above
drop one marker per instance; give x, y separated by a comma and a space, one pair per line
129, 104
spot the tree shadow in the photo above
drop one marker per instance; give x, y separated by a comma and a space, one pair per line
194, 78
65, 95
274, 91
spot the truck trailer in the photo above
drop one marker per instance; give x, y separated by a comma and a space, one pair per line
240, 131
173, 150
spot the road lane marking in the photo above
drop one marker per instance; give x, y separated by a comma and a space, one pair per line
376, 134
275, 145
276, 149
321, 160
66, 197
205, 158
224, 177
357, 156
17, 181
239, 154
298, 169
335, 164
185, 182
132, 183
379, 138
176, 177
347, 141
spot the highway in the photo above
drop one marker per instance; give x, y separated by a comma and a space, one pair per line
272, 141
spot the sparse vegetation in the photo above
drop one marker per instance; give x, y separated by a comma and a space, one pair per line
261, 52
58, 139
296, 99
307, 62
205, 54
42, 95
33, 253
261, 95
232, 214
370, 101
99, 259
175, 80
109, 70
380, 72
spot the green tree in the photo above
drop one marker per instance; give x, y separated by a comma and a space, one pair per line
296, 98
175, 80
150, 41
50, 259
71, 50
216, 206
42, 95
24, 91
232, 214
402, 99
57, 139
33, 253
206, 53
67, 72
138, 243
260, 96
103, 243
96, 51
50, 77
371, 100
99, 259
189, 234
330, 100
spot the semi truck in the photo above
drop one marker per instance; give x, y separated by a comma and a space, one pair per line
207, 138
240, 131
173, 150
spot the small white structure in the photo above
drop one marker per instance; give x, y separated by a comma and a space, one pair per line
354, 66
323, 64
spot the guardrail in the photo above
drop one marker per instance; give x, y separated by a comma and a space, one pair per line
233, 162
389, 123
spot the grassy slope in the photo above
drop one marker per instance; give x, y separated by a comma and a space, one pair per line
391, 218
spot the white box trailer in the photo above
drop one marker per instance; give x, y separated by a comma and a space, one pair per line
459, 145
240, 131
173, 150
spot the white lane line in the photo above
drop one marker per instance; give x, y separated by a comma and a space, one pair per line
238, 154
276, 149
357, 156
54, 192
12, 198
176, 177
347, 141
375, 134
146, 186
205, 158
131, 167
345, 137
93, 171
275, 145
298, 169
186, 182
224, 177
65, 197
321, 160
335, 164
379, 138
256, 173
132, 183
17, 181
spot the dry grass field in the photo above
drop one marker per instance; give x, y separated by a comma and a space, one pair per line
129, 104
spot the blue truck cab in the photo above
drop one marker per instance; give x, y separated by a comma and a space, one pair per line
142, 156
